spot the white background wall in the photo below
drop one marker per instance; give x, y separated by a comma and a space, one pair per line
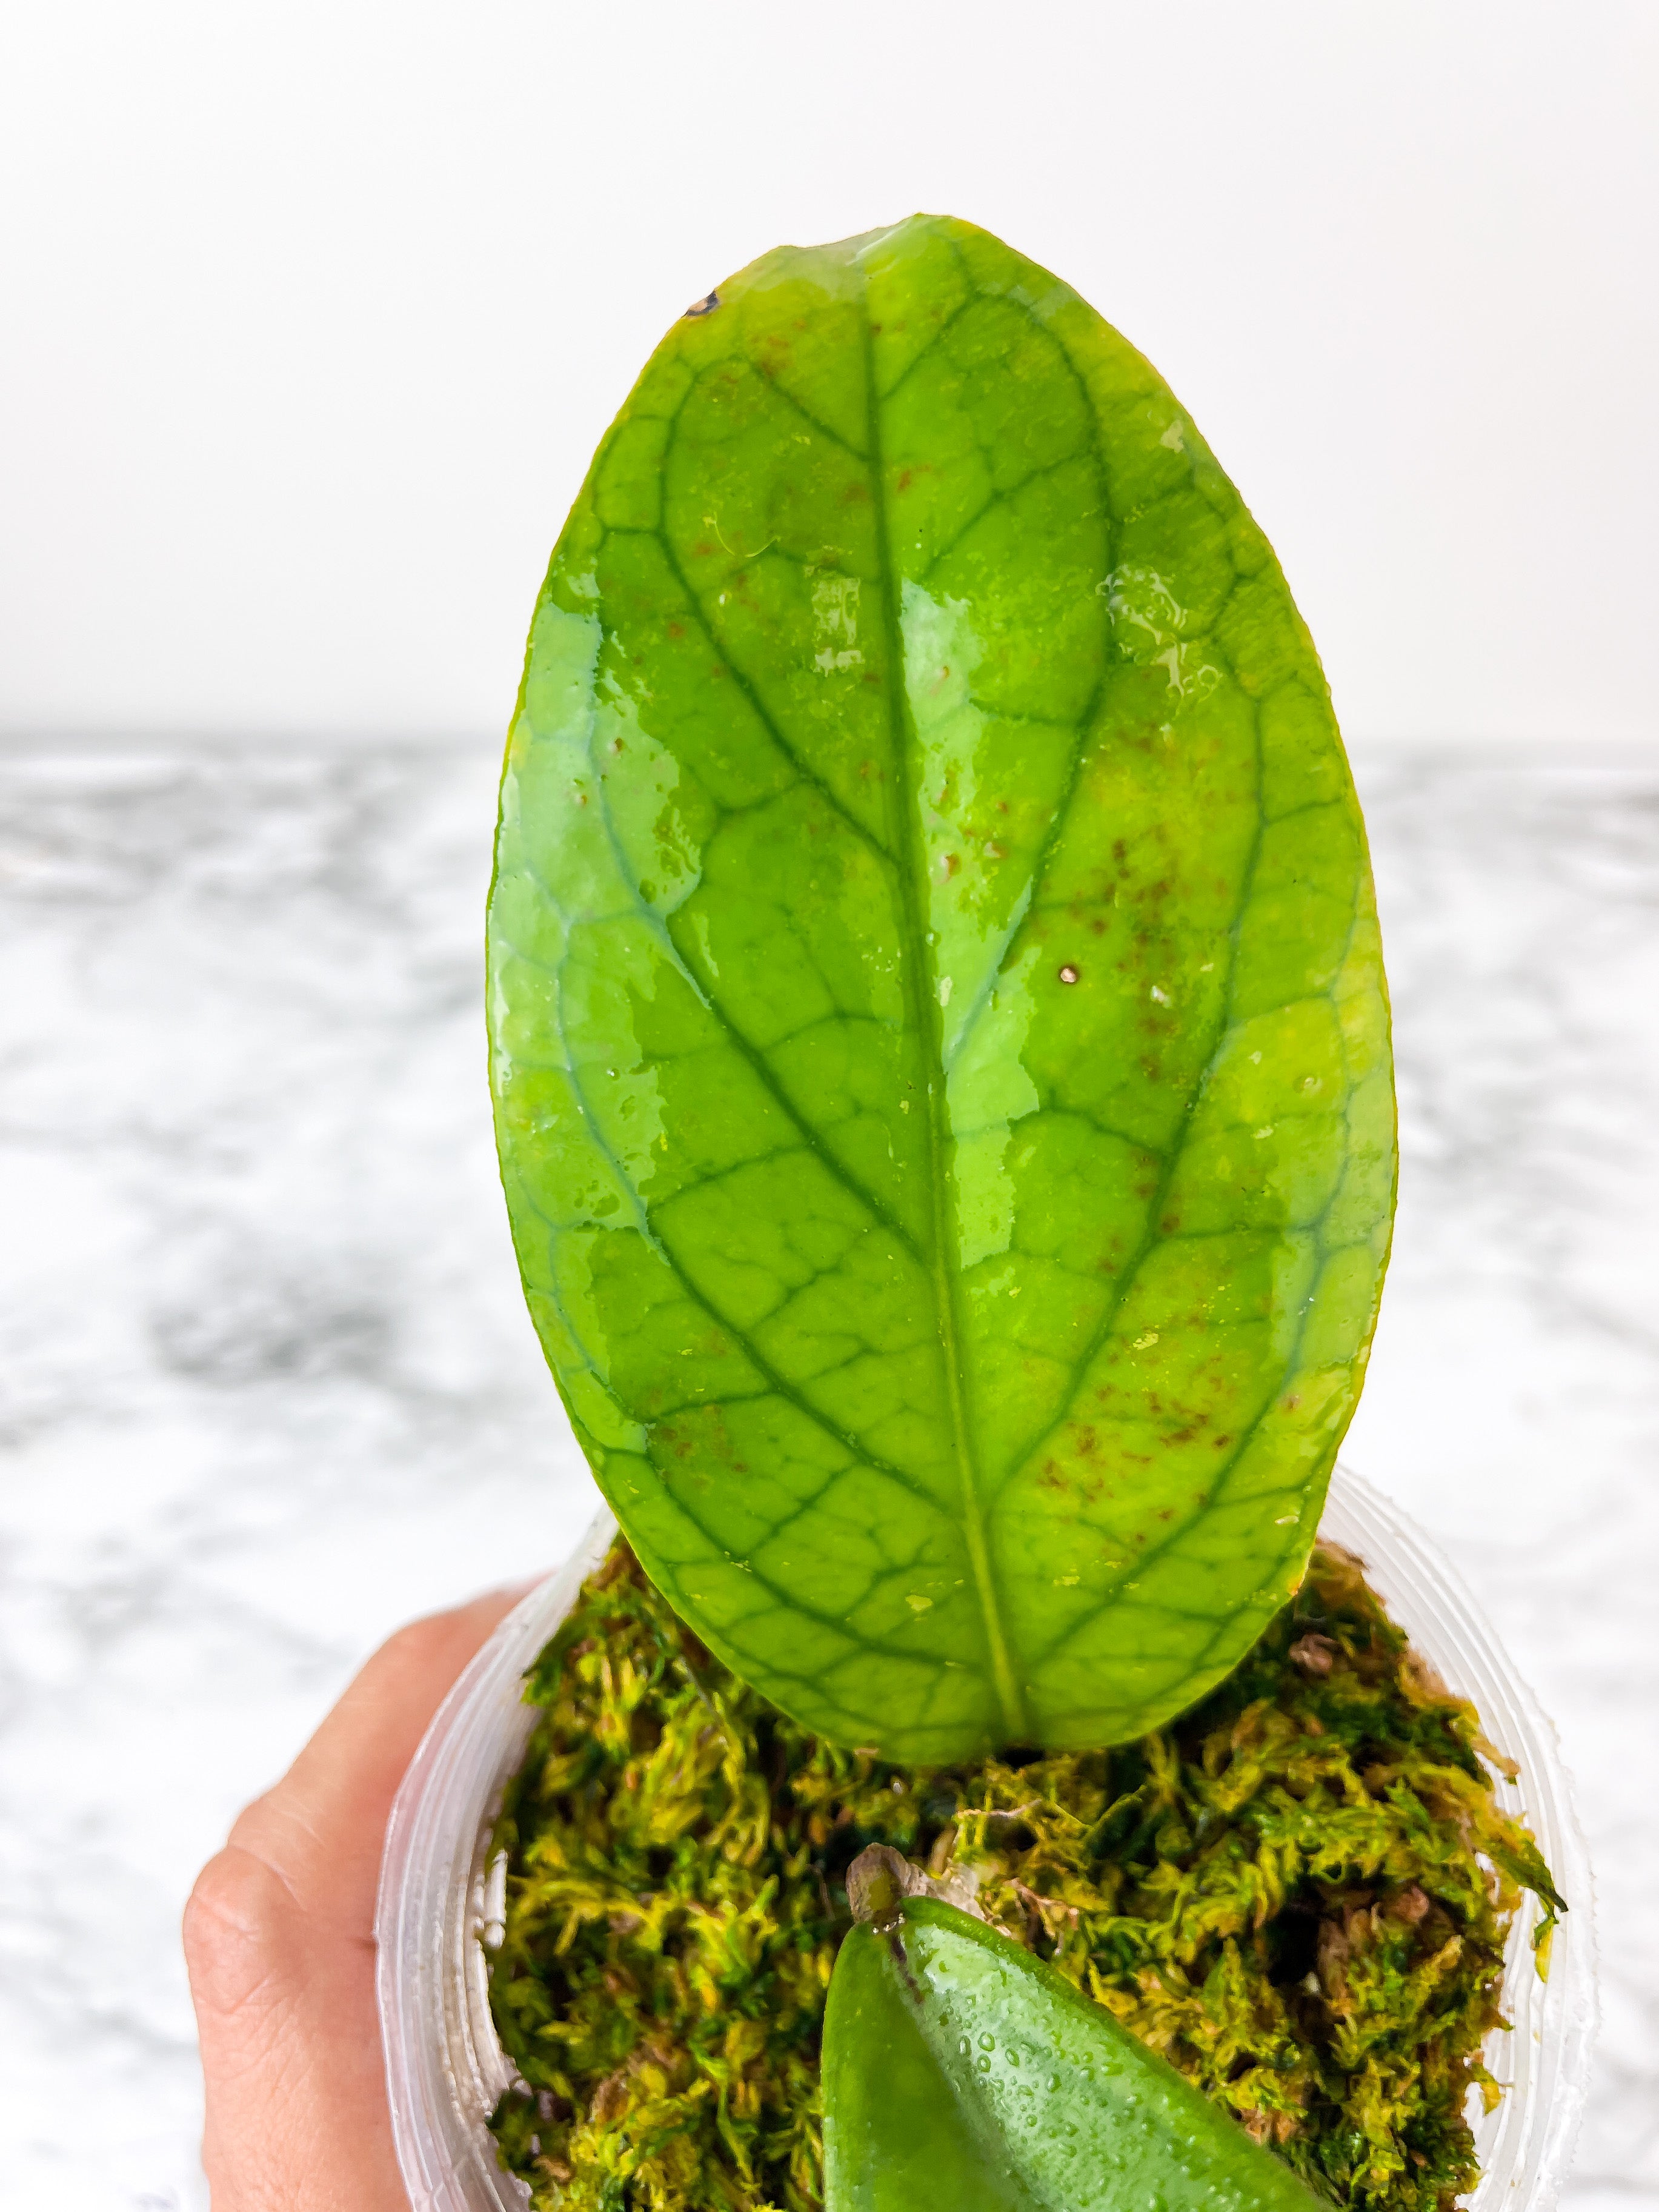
314, 310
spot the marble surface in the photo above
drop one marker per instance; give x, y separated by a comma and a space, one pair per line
266, 1387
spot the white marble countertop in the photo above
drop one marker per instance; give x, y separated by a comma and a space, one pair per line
266, 1387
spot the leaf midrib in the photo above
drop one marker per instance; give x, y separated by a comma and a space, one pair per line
909, 846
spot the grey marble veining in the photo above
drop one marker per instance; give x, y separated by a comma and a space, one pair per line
266, 1387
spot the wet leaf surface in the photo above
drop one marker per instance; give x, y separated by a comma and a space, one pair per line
938, 1032
962, 2074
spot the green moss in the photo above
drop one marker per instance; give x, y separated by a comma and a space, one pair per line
1299, 1892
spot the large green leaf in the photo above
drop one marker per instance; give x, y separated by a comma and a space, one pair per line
939, 1040
963, 2075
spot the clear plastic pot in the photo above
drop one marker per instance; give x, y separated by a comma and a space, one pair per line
440, 1896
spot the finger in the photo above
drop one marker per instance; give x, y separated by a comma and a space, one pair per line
321, 1829
279, 1937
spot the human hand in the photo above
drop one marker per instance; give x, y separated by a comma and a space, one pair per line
279, 1939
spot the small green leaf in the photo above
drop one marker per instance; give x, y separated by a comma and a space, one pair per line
961, 2074
938, 1033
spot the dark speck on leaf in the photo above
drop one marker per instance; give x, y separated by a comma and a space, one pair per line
1068, 974
704, 306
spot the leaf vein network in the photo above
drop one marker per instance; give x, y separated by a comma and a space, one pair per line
792, 1603
762, 713
1000, 496
1151, 1235
709, 999
1218, 1485
778, 1383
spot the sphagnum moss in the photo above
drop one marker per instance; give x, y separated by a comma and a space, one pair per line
1298, 1891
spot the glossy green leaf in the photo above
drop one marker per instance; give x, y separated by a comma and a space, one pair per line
939, 1041
961, 2074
